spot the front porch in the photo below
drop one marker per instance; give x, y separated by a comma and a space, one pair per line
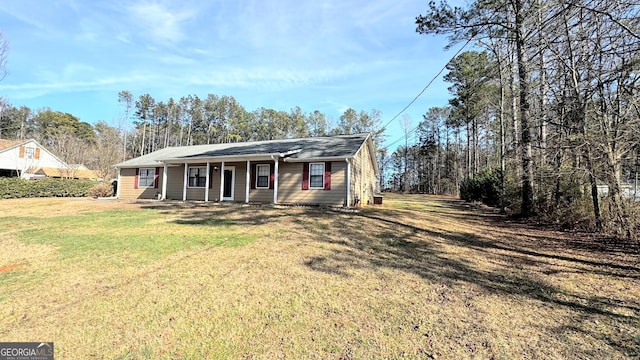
237, 181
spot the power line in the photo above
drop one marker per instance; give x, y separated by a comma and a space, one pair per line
422, 92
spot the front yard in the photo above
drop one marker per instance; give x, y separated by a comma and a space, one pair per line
419, 277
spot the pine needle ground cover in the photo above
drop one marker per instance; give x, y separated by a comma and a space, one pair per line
418, 277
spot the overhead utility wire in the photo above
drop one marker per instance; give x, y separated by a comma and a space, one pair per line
423, 90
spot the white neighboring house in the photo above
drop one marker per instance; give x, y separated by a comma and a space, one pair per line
629, 190
26, 159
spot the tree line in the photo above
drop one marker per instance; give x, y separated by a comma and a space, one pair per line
147, 125
546, 105
192, 120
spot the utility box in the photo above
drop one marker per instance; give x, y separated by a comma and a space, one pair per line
377, 199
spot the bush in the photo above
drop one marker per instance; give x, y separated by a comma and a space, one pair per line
102, 189
12, 188
485, 187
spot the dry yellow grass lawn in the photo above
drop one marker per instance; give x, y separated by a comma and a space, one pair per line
419, 277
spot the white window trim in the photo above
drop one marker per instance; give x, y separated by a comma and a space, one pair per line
153, 178
268, 175
189, 177
323, 180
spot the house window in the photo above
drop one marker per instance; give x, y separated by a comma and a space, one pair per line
147, 178
316, 176
197, 176
262, 176
29, 152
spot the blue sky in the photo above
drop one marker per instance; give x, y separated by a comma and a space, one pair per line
75, 55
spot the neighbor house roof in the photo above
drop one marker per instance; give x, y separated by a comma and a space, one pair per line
66, 173
318, 148
5, 144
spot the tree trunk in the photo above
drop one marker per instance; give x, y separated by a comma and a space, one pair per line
476, 155
469, 168
514, 109
543, 90
144, 131
523, 77
502, 144
594, 190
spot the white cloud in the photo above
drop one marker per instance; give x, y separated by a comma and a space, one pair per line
172, 59
32, 90
123, 37
158, 22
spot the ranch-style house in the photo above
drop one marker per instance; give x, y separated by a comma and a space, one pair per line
333, 171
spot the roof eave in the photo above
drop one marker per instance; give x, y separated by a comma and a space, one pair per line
322, 158
226, 158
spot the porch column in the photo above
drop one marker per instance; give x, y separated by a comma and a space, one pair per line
221, 181
206, 183
165, 171
275, 182
248, 182
185, 182
348, 202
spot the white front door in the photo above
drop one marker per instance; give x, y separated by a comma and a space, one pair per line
229, 179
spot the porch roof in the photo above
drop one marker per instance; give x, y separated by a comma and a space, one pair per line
329, 148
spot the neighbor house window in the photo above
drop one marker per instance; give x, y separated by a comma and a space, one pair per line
316, 176
29, 152
197, 176
147, 178
262, 176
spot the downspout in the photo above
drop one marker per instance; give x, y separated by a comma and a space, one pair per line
348, 200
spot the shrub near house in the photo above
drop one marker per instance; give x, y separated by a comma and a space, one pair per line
11, 188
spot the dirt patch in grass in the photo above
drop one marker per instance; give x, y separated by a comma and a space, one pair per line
9, 267
419, 277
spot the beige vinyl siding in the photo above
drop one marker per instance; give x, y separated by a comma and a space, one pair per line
261, 195
127, 186
290, 186
175, 176
363, 177
214, 178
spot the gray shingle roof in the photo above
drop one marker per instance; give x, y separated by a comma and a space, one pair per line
341, 146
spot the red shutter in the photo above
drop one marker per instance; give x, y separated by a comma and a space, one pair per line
327, 175
156, 178
253, 176
272, 176
305, 176
135, 184
37, 153
21, 152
